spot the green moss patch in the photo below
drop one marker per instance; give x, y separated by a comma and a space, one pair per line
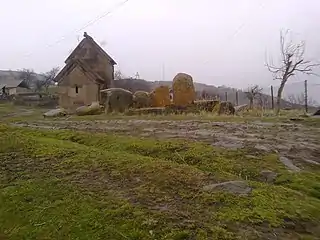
73, 185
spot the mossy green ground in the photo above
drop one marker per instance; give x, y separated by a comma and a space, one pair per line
74, 185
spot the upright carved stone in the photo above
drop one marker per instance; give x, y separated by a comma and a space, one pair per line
183, 90
117, 99
160, 96
141, 99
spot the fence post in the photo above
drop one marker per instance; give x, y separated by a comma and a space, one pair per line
237, 98
272, 101
306, 95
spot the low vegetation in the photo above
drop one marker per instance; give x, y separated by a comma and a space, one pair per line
74, 185
13, 113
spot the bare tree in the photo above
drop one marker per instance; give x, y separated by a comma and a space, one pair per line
291, 99
50, 75
292, 62
28, 76
300, 99
296, 98
38, 85
118, 75
48, 79
253, 93
312, 102
263, 100
204, 95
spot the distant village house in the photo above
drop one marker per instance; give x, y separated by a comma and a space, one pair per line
10, 86
88, 70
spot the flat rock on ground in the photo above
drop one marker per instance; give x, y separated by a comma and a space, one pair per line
289, 164
268, 176
235, 187
59, 112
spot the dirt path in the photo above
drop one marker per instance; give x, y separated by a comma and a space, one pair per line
22, 112
297, 143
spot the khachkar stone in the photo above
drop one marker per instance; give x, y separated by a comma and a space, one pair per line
160, 96
184, 92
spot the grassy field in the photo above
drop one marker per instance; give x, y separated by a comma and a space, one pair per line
71, 185
10, 112
63, 184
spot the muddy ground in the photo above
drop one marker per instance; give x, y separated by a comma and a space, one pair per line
296, 144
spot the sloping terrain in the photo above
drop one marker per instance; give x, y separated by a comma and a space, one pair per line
10, 74
157, 179
72, 185
295, 141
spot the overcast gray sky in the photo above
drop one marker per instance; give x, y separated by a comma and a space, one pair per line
217, 42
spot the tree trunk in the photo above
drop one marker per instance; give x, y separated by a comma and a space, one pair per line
283, 82
251, 103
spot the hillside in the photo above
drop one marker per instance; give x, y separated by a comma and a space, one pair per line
143, 85
15, 74
6, 75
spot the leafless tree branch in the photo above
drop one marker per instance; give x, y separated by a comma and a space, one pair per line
292, 62
48, 79
300, 99
27, 75
253, 93
118, 75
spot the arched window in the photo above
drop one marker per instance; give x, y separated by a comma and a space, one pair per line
77, 89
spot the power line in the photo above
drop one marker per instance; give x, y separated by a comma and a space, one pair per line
89, 23
242, 25
102, 16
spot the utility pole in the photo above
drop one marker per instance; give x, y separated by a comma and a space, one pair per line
306, 95
226, 95
163, 72
272, 101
